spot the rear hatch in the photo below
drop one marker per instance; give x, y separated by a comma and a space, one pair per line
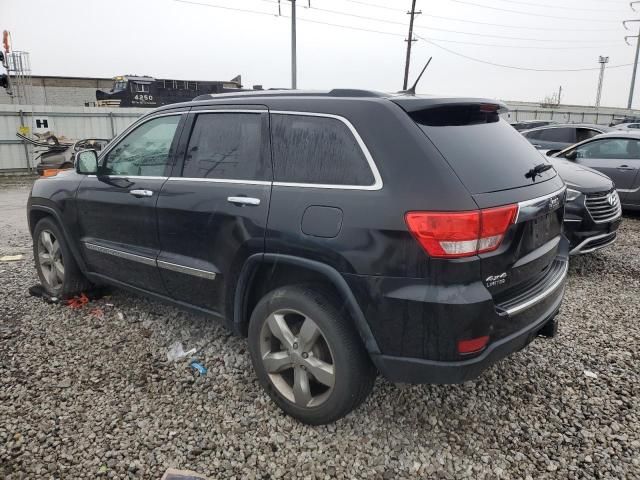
499, 167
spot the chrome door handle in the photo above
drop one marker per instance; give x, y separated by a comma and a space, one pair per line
141, 193
625, 167
244, 201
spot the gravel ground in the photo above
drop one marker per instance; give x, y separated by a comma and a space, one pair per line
87, 397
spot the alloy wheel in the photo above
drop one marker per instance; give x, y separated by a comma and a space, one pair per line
50, 259
297, 358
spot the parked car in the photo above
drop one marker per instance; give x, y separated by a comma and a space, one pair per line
529, 124
59, 157
592, 212
628, 126
557, 137
342, 232
617, 155
624, 119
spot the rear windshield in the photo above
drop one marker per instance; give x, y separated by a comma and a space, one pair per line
486, 153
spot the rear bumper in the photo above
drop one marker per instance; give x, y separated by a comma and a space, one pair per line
417, 325
416, 370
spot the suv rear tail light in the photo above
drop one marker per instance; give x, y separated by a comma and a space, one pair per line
461, 234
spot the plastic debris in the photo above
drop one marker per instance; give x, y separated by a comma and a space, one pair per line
176, 352
589, 374
78, 301
120, 316
197, 366
97, 312
11, 258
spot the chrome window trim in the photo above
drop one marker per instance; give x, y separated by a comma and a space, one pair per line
533, 201
119, 253
542, 295
142, 177
230, 110
196, 272
219, 180
377, 183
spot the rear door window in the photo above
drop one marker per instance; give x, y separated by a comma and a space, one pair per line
560, 135
483, 150
227, 146
317, 150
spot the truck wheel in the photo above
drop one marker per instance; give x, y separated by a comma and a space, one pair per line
307, 356
57, 269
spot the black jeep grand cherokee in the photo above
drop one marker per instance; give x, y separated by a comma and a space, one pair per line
342, 232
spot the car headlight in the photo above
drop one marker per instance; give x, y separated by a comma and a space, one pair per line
572, 194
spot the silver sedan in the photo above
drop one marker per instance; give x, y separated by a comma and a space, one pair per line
617, 155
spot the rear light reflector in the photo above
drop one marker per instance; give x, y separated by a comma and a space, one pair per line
461, 234
472, 345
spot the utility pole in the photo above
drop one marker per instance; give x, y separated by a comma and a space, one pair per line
409, 41
635, 63
294, 73
603, 62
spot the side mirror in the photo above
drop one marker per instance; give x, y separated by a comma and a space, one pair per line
551, 153
87, 162
572, 155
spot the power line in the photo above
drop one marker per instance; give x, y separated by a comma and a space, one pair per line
515, 67
475, 22
518, 27
392, 22
427, 40
520, 12
546, 5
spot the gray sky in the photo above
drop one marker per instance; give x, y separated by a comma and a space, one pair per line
169, 39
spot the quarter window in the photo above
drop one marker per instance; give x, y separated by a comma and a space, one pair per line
145, 151
317, 150
227, 146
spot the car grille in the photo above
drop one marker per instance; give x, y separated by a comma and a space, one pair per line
603, 206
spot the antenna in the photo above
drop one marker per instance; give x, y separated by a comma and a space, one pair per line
412, 89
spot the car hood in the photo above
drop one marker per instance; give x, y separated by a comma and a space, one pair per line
579, 177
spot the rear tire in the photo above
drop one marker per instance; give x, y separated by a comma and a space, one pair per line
307, 355
57, 269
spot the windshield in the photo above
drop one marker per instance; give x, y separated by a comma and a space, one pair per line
485, 152
119, 85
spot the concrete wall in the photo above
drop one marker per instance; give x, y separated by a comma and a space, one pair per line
63, 91
519, 111
72, 122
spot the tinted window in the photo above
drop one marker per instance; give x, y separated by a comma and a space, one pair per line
585, 134
610, 148
226, 146
322, 150
563, 135
144, 151
487, 157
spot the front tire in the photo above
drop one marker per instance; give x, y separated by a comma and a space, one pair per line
307, 355
57, 269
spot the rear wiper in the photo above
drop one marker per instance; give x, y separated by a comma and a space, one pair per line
537, 170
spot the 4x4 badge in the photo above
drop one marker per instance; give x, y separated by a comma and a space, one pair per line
494, 280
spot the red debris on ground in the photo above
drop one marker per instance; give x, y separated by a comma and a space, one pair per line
78, 301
